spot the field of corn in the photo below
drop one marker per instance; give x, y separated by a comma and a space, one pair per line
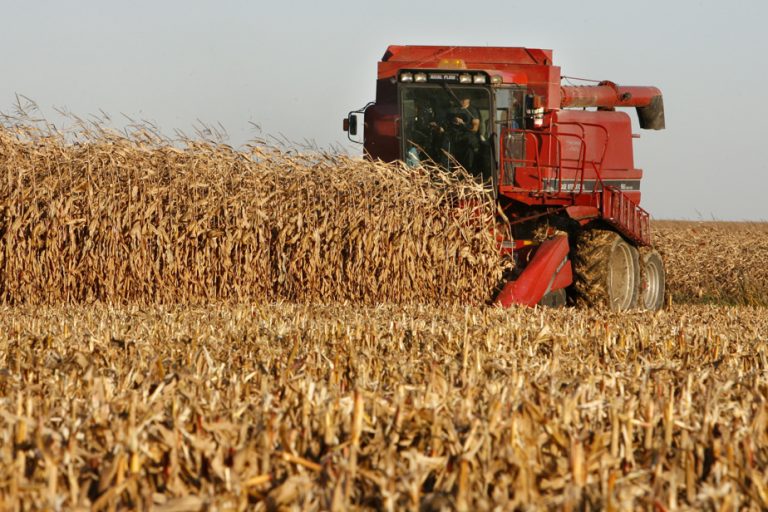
119, 220
200, 328
715, 262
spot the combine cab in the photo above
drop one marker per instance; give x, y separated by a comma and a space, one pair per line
558, 159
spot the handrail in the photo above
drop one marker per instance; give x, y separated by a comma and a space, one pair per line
615, 207
580, 161
505, 135
597, 168
625, 215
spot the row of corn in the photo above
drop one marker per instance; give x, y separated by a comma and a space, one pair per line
123, 220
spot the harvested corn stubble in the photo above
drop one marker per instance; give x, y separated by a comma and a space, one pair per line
126, 220
382, 408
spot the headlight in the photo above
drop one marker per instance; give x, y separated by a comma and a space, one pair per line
420, 77
465, 79
406, 77
496, 79
478, 79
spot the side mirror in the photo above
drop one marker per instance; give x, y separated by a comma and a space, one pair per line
353, 122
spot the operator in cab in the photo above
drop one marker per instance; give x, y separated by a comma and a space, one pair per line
463, 130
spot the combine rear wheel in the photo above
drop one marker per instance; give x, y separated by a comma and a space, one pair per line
653, 281
606, 270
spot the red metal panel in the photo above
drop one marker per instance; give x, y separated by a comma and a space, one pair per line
582, 214
381, 124
381, 137
478, 54
529, 66
548, 270
608, 137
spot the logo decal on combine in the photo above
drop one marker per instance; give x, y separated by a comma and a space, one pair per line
579, 186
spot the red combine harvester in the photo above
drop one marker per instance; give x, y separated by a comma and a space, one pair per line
558, 159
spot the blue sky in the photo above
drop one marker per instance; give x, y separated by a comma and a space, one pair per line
295, 68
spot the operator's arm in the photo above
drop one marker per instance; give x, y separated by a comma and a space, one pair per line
474, 122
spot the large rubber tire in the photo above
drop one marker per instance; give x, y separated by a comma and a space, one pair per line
606, 271
652, 280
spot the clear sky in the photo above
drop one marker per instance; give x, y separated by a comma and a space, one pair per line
295, 68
